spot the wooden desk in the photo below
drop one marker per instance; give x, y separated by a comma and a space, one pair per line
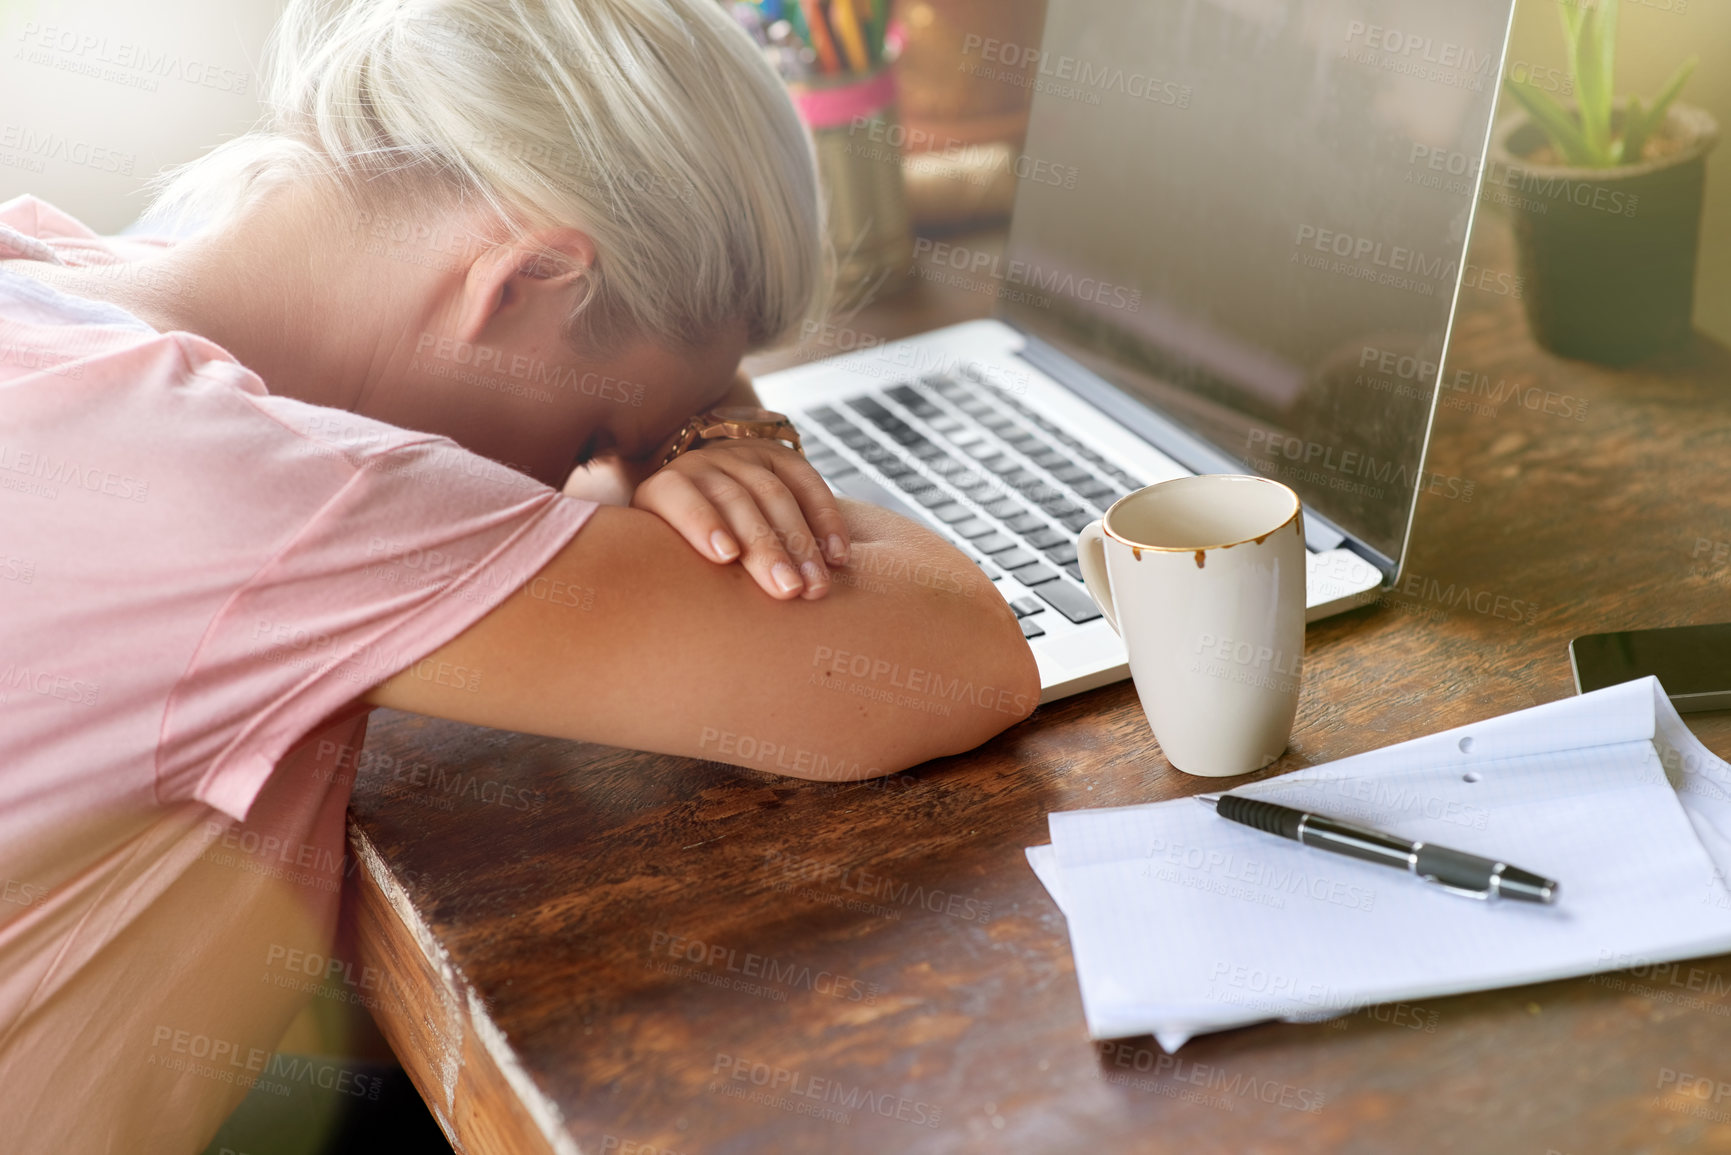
538, 945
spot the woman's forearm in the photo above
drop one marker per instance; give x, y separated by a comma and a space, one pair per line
912, 655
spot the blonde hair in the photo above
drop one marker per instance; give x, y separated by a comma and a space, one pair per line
655, 126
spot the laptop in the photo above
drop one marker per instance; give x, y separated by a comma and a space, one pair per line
1247, 262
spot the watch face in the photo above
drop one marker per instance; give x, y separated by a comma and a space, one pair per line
745, 413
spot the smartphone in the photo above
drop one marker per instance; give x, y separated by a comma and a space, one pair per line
1693, 663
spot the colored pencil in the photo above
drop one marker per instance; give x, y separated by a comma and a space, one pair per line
868, 12
820, 37
847, 30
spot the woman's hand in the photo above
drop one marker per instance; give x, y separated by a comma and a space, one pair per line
756, 502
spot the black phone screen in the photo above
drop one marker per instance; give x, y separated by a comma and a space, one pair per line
1688, 661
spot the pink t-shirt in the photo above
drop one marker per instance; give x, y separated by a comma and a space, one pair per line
197, 581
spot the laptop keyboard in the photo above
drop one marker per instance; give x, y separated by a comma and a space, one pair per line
1012, 487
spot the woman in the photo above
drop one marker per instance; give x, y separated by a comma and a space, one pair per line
303, 463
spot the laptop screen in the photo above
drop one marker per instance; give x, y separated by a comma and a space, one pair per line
1251, 216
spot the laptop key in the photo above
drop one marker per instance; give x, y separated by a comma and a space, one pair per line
1069, 601
1027, 607
1074, 570
1034, 575
909, 479
948, 466
994, 543
930, 497
1043, 538
1061, 508
906, 394
952, 512
1051, 459
1015, 559
1078, 521
1031, 629
1071, 474
1027, 523
972, 528
1063, 554
1093, 489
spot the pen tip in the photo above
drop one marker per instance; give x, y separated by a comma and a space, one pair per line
1209, 800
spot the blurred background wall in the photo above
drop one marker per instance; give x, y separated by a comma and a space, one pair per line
97, 95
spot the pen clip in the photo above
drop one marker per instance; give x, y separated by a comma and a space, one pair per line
1464, 892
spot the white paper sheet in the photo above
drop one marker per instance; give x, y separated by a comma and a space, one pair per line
1183, 923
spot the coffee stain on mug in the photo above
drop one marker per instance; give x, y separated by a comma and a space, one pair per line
1201, 559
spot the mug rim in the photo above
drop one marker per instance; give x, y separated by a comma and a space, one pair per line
1106, 518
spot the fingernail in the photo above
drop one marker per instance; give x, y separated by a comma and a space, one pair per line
837, 549
814, 575
785, 577
723, 545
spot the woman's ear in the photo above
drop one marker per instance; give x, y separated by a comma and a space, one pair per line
535, 271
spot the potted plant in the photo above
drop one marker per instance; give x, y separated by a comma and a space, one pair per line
1606, 198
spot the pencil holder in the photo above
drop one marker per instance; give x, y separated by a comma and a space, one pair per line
859, 160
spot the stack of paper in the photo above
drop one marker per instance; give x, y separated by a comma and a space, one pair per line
1182, 922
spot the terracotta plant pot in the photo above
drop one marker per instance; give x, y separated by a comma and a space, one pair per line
1608, 255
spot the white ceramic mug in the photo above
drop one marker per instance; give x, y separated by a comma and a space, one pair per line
1203, 578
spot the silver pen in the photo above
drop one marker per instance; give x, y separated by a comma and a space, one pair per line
1455, 871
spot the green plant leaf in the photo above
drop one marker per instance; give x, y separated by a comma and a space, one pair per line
1574, 17
1662, 103
1595, 64
1558, 123
1571, 14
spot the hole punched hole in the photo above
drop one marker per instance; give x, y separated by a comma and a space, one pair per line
1466, 745
1470, 776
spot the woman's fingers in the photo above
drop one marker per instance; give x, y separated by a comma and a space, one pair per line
672, 497
818, 505
762, 505
769, 522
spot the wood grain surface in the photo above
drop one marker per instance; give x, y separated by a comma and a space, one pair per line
602, 951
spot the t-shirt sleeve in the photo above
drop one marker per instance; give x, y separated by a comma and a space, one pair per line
422, 541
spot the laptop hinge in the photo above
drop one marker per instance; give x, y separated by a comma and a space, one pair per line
1178, 443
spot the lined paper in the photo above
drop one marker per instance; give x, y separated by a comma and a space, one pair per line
1182, 922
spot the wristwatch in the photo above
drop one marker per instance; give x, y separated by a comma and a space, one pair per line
726, 424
